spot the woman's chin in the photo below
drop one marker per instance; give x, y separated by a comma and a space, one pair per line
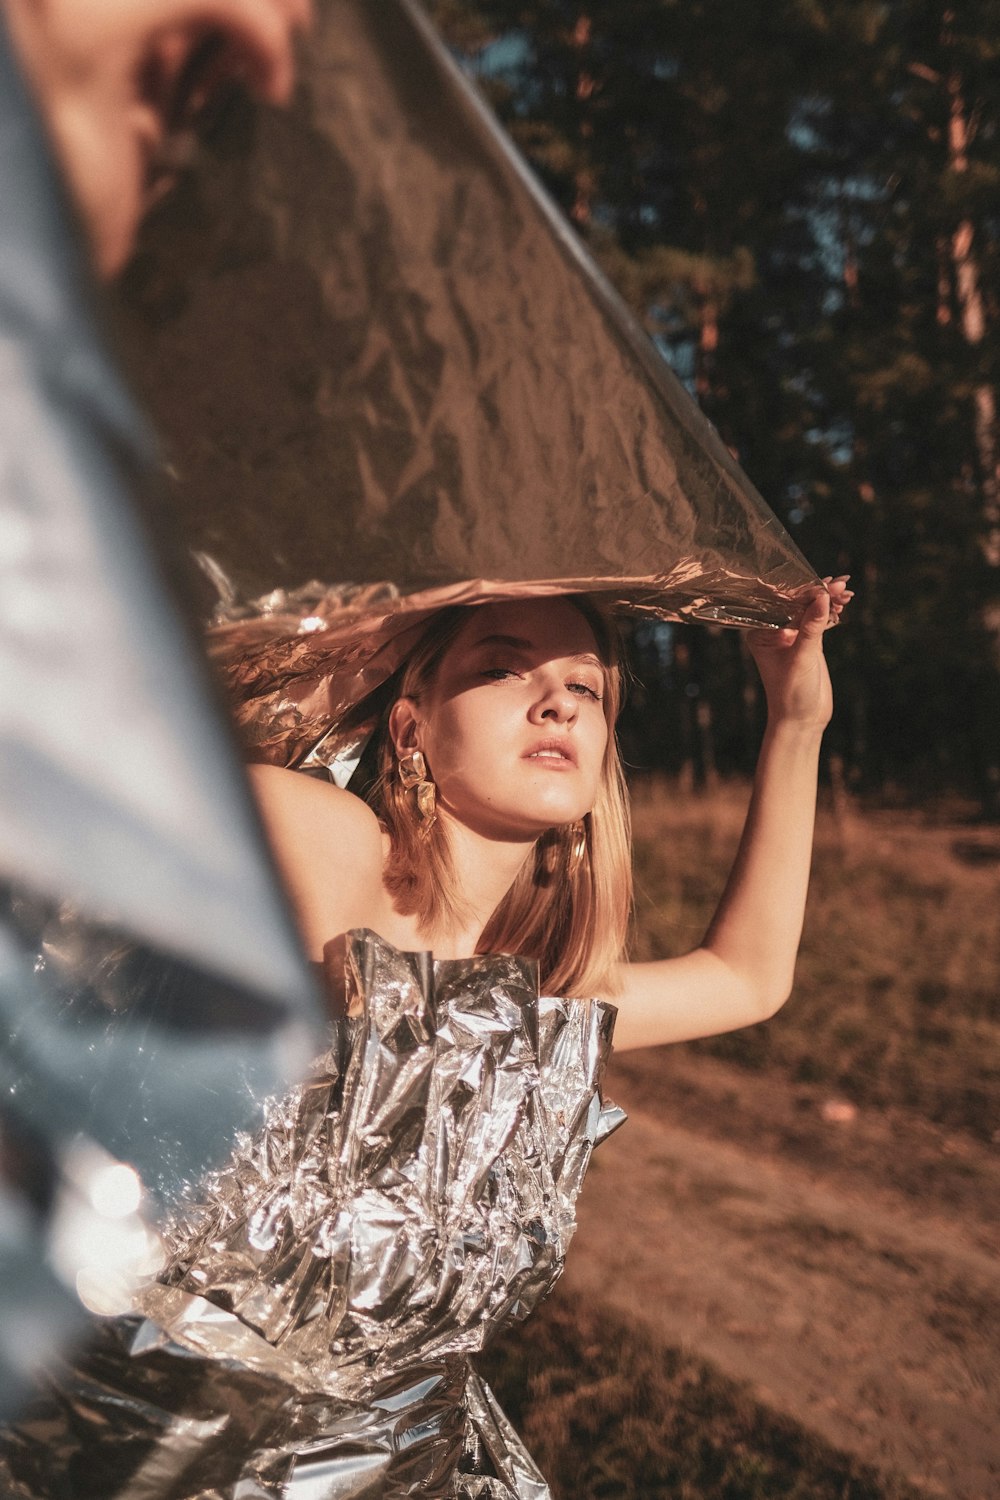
532, 823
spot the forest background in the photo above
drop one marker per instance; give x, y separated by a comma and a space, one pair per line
799, 199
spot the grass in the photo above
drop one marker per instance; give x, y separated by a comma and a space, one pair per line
609, 1415
897, 995
896, 1004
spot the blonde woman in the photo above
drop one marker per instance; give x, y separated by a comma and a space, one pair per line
310, 1332
511, 709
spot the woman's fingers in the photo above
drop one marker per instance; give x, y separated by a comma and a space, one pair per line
822, 611
259, 32
815, 619
840, 596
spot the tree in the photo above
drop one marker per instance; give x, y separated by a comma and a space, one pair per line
799, 199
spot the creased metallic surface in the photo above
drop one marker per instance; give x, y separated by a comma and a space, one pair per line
303, 667
376, 351
120, 790
387, 356
310, 1333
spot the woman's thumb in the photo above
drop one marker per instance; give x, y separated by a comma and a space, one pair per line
816, 615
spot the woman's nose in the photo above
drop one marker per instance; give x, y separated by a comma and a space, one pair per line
555, 705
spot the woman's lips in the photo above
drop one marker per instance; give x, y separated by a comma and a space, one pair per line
556, 755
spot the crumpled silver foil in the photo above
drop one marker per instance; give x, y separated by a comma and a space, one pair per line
309, 1335
375, 351
389, 378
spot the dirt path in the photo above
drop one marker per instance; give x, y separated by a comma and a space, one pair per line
802, 1255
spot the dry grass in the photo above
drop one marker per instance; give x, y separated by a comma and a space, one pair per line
607, 1413
896, 1004
897, 997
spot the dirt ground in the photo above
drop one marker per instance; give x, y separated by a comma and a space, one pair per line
845, 1264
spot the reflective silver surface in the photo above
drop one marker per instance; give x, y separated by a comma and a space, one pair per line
310, 1332
120, 791
376, 351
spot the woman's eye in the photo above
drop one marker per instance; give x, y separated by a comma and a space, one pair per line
497, 674
584, 690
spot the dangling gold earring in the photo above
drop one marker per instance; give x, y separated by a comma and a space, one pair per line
577, 847
413, 775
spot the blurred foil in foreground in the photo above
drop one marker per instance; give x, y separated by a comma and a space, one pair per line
120, 795
309, 1335
377, 351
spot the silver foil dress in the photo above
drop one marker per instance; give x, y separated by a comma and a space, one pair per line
310, 1334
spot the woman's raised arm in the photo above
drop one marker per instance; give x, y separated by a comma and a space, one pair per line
743, 970
328, 846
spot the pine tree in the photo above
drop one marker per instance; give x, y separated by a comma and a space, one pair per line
799, 199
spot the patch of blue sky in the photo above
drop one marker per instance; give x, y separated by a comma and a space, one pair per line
509, 54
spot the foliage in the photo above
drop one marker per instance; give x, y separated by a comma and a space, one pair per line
799, 198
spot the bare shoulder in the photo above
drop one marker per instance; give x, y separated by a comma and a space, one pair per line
329, 847
301, 803
304, 812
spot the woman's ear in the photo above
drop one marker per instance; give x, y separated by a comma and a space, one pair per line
404, 726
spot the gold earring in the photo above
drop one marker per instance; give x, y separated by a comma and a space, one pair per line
577, 846
413, 775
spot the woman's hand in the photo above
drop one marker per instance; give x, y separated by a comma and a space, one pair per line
791, 662
115, 78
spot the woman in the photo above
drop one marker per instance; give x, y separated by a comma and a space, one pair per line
511, 708
309, 1334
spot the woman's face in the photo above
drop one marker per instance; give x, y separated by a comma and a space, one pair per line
513, 726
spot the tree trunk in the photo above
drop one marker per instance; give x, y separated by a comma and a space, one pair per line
708, 343
972, 313
583, 178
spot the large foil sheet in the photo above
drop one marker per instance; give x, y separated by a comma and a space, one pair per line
119, 787
310, 1332
377, 352
121, 795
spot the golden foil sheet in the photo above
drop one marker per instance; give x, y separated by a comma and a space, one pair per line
302, 668
392, 359
310, 1332
385, 355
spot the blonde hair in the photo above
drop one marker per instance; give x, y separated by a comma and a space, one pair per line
569, 913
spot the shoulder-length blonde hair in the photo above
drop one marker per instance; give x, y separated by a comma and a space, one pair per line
568, 911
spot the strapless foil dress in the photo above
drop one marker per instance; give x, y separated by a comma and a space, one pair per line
309, 1337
